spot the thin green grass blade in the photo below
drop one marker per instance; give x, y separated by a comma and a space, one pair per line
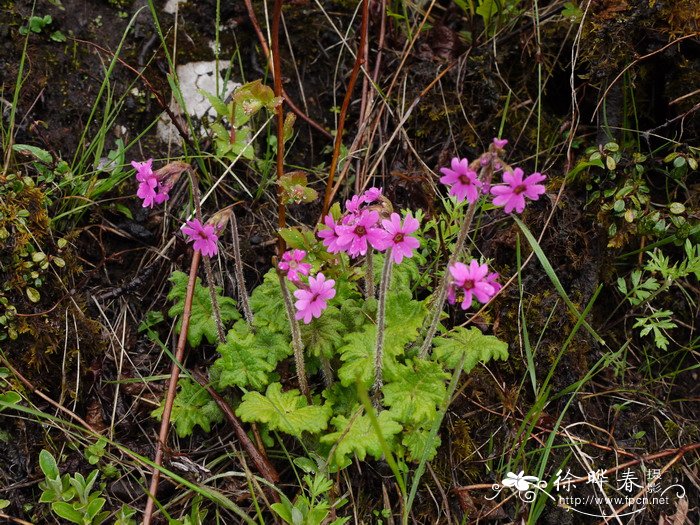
553, 277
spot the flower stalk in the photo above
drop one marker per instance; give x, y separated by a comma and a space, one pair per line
297, 344
238, 271
381, 325
369, 275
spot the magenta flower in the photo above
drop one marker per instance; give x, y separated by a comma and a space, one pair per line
353, 205
471, 281
292, 264
463, 180
512, 194
371, 195
499, 143
491, 279
151, 189
354, 237
330, 236
397, 237
310, 303
204, 237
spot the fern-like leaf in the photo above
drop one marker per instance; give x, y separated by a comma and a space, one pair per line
356, 435
287, 412
193, 406
418, 390
202, 323
475, 346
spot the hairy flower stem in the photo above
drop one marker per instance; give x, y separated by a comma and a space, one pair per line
381, 321
442, 290
297, 344
369, 274
326, 372
238, 270
172, 388
207, 264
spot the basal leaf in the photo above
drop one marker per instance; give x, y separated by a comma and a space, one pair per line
268, 306
287, 412
417, 392
416, 441
404, 317
324, 335
193, 406
472, 343
242, 363
202, 323
355, 435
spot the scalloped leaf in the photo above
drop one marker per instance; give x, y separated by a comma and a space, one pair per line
287, 412
356, 435
476, 346
202, 323
324, 335
404, 317
417, 392
268, 306
416, 441
193, 406
247, 359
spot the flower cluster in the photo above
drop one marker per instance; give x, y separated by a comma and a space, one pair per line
471, 282
465, 183
153, 189
362, 227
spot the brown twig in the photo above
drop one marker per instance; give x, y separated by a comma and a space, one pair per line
172, 388
359, 60
277, 77
266, 51
261, 463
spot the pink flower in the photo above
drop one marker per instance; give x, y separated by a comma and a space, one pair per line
353, 205
462, 179
397, 236
330, 236
292, 264
151, 189
204, 237
472, 281
512, 194
499, 143
371, 195
491, 279
312, 302
354, 237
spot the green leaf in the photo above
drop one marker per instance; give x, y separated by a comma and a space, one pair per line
268, 306
404, 317
357, 436
67, 512
288, 412
247, 359
417, 392
202, 323
33, 294
48, 465
39, 154
415, 442
471, 342
324, 335
192, 406
9, 398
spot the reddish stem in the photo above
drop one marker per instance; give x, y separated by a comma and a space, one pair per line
359, 60
172, 389
266, 51
276, 67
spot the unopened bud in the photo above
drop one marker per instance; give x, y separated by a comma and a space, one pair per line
220, 219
